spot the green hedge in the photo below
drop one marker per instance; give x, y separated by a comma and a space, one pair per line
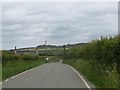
7, 56
13, 64
104, 51
104, 57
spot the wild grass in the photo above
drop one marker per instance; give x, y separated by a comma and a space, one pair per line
100, 78
14, 64
0, 71
100, 61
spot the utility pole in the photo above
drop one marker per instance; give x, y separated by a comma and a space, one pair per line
45, 48
64, 54
15, 51
46, 59
36, 51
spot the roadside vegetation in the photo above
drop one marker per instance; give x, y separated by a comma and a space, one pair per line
0, 65
98, 61
0, 71
13, 64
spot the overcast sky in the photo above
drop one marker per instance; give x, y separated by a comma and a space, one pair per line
30, 24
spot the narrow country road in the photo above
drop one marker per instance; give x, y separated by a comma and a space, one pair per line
49, 75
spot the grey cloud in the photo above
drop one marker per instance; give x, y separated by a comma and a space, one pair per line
29, 24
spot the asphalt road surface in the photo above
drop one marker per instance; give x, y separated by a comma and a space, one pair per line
49, 75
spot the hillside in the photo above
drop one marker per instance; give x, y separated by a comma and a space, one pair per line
61, 46
49, 47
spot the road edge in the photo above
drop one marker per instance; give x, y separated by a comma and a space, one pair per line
80, 76
20, 74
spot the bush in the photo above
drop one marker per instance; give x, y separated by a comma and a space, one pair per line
102, 53
13, 64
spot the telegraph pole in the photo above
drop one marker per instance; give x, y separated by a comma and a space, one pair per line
15, 51
45, 51
36, 51
64, 54
45, 48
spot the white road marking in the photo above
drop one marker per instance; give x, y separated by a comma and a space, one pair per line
40, 65
22, 73
80, 77
6, 80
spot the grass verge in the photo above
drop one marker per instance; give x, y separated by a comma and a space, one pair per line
0, 72
16, 67
14, 64
99, 77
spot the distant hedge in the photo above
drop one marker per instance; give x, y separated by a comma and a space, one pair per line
8, 56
